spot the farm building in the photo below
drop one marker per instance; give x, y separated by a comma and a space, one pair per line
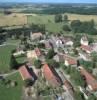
51, 76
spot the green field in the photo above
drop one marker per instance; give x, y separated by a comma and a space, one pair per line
48, 20
5, 53
12, 93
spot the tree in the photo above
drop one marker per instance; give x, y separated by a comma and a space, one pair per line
75, 24
53, 63
94, 59
79, 96
91, 40
58, 18
66, 28
50, 54
65, 18
92, 97
88, 65
77, 40
77, 78
37, 64
29, 82
13, 63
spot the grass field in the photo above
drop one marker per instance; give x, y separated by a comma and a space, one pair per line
19, 19
12, 93
48, 20
5, 53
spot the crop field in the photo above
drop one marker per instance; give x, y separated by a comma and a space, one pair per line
12, 19
82, 17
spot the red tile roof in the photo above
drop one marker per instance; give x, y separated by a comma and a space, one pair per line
24, 73
51, 75
37, 50
90, 80
86, 48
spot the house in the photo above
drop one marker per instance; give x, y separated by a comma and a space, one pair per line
84, 56
84, 40
94, 47
59, 57
88, 49
18, 53
70, 60
47, 45
89, 78
67, 41
56, 41
51, 76
34, 53
25, 73
34, 36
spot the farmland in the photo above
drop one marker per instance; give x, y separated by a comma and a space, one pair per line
12, 20
20, 19
48, 20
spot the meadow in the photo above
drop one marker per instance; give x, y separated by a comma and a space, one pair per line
48, 20
12, 93
5, 54
20, 19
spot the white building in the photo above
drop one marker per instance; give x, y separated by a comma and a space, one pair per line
84, 40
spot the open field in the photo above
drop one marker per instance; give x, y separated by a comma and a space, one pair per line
5, 53
19, 19
12, 93
48, 20
82, 17
13, 19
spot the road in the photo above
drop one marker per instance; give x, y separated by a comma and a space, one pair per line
67, 95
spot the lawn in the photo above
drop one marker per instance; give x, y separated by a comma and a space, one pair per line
12, 93
21, 59
17, 41
5, 53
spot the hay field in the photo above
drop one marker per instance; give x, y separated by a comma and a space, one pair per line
82, 17
13, 19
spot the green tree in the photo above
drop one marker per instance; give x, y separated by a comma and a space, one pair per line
50, 54
66, 28
77, 78
75, 24
94, 59
79, 96
58, 18
37, 64
92, 97
65, 18
29, 82
53, 63
13, 63
77, 40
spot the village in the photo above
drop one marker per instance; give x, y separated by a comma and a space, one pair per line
56, 68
